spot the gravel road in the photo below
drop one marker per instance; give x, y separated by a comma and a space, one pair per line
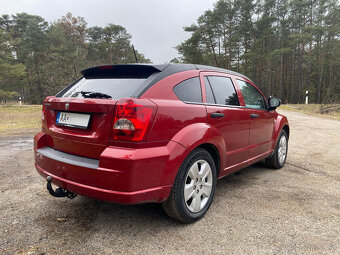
295, 210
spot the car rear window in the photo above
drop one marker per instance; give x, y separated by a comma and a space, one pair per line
115, 87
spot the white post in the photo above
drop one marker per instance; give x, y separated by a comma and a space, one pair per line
19, 100
306, 96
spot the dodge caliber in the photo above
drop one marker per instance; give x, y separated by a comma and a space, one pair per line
139, 133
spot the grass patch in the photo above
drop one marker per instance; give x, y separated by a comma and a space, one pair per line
324, 111
15, 119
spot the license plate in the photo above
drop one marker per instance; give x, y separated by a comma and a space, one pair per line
71, 119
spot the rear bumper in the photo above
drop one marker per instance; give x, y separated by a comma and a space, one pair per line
134, 197
120, 175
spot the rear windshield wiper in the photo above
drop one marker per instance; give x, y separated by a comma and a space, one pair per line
91, 94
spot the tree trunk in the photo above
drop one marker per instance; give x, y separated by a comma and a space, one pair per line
281, 77
213, 51
320, 82
225, 49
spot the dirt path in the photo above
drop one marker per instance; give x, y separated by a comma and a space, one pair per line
295, 210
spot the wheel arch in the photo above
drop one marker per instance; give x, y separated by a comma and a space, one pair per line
281, 123
197, 135
204, 136
286, 128
213, 151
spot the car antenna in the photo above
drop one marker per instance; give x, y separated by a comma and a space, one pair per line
134, 52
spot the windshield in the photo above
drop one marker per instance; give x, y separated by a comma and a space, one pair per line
115, 87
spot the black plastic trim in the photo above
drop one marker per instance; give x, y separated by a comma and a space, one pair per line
216, 115
142, 71
68, 158
170, 70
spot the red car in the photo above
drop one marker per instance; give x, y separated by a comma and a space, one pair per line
140, 133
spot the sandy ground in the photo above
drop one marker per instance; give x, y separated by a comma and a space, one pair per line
295, 210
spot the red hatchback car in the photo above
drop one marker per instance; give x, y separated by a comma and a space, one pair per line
140, 133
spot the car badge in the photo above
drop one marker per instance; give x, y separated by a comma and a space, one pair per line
67, 105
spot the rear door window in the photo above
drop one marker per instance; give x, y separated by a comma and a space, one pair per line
189, 90
208, 91
223, 90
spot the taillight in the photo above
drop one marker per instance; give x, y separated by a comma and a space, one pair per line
133, 119
43, 125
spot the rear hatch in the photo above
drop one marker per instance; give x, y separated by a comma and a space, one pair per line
87, 140
79, 119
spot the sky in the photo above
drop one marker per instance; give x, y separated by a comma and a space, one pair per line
156, 26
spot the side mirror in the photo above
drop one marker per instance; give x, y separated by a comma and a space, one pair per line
273, 103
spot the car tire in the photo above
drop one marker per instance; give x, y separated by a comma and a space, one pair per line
193, 189
279, 156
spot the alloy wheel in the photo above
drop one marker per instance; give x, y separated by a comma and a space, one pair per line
198, 186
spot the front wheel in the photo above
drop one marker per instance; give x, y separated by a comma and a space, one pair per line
193, 188
278, 159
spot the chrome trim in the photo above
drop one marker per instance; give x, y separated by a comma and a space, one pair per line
225, 105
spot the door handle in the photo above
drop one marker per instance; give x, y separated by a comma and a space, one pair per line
216, 115
254, 116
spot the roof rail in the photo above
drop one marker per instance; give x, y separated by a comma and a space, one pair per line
212, 68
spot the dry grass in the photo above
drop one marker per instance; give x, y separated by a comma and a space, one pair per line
323, 111
16, 119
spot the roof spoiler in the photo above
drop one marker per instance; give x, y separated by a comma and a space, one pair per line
122, 71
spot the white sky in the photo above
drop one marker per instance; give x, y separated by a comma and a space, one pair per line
156, 26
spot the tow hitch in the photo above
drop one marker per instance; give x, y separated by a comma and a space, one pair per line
59, 192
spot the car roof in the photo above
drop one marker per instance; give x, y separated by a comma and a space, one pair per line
152, 73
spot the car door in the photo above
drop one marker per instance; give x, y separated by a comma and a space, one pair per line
261, 126
227, 116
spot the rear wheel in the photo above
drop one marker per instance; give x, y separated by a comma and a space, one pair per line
193, 188
278, 159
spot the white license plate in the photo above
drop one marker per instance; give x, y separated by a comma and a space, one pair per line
71, 119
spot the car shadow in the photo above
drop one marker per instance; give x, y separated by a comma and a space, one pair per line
83, 216
243, 178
